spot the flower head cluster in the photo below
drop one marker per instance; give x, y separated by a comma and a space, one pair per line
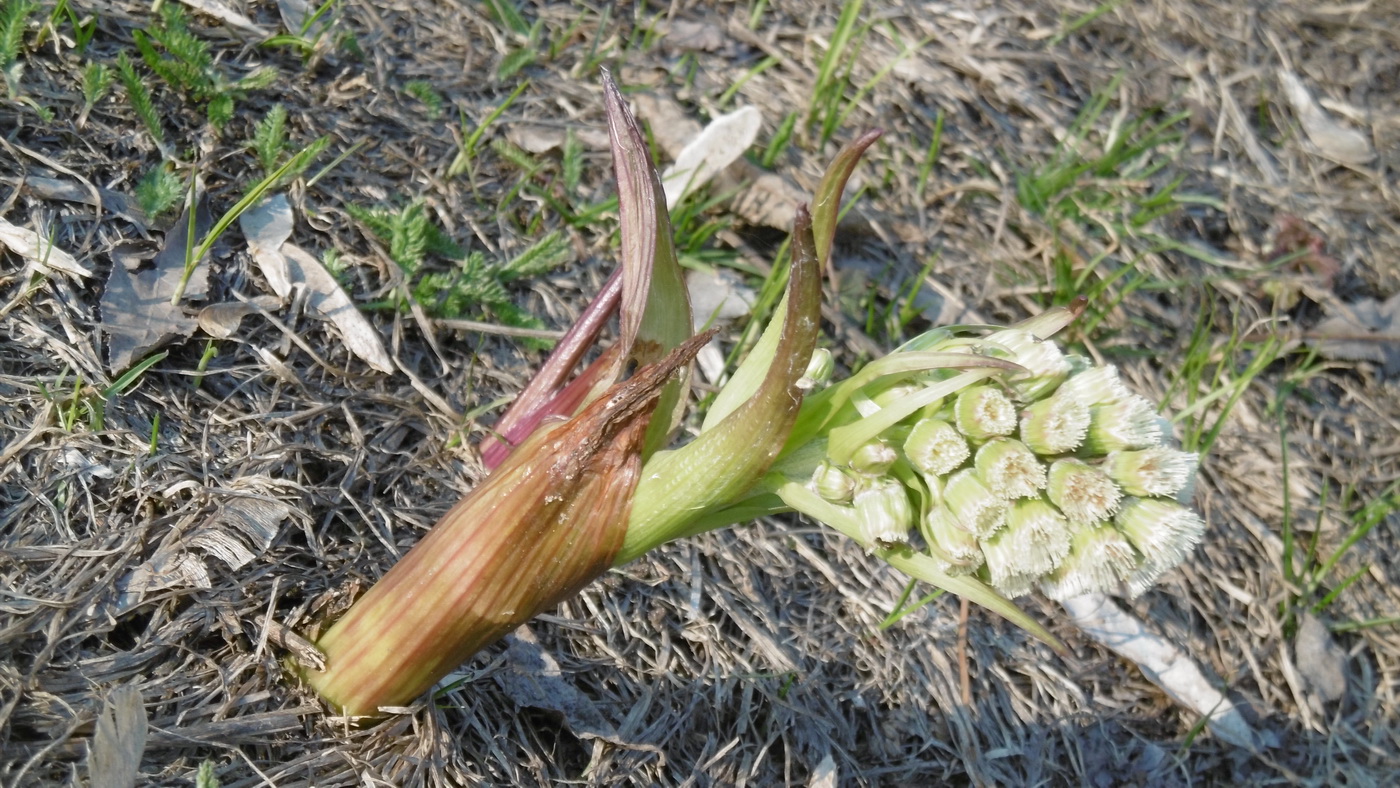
1046, 473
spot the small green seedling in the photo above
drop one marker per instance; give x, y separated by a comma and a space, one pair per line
158, 191
474, 285
270, 138
183, 60
140, 97
273, 180
834, 72
467, 150
424, 92
309, 35
84, 400
14, 19
97, 80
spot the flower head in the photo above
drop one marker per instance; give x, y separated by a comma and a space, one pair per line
952, 542
885, 514
1099, 559
1056, 424
1128, 423
1035, 540
1155, 471
1096, 386
874, 458
1046, 367
984, 412
1009, 468
935, 447
1083, 492
833, 483
1163, 531
976, 509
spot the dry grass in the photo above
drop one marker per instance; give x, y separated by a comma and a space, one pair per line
746, 657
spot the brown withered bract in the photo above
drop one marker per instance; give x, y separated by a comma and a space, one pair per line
558, 505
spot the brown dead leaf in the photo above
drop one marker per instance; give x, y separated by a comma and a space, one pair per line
709, 152
825, 775
228, 16
137, 315
244, 521
534, 138
74, 191
27, 244
176, 245
538, 138
1333, 140
689, 36
267, 226
764, 198
1366, 330
221, 320
1320, 660
718, 295
327, 297
118, 740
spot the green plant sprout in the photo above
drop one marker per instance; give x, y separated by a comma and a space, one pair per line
211, 351
1073, 26
97, 80
294, 165
595, 58
507, 14
467, 150
571, 162
935, 146
528, 52
1212, 380
779, 143
269, 139
474, 285
833, 74
83, 29
1307, 569
84, 400
832, 120
14, 18
140, 97
205, 777
184, 61
158, 191
733, 90
1084, 195
526, 55
298, 39
756, 14
424, 92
